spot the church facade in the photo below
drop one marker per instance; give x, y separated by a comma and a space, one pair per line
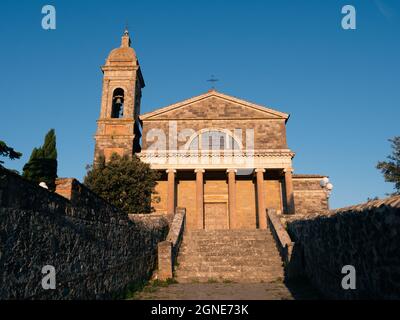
224, 159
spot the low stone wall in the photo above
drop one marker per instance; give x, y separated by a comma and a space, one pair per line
281, 237
366, 237
168, 250
96, 250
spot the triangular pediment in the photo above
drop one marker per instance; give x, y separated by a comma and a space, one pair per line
214, 105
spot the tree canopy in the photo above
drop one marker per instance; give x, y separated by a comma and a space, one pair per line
391, 168
125, 182
6, 151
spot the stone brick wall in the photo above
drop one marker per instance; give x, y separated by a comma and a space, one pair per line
365, 236
245, 204
96, 249
186, 198
217, 113
159, 197
268, 134
273, 194
213, 106
309, 197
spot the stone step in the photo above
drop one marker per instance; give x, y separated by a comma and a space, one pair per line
227, 242
208, 277
236, 242
212, 257
228, 252
221, 280
241, 246
230, 266
231, 255
222, 270
230, 237
229, 275
211, 247
263, 261
229, 231
223, 255
217, 264
273, 263
229, 234
247, 272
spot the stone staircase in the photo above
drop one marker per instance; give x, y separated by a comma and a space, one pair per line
245, 256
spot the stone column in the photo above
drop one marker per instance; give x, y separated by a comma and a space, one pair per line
289, 191
171, 191
262, 216
232, 197
200, 198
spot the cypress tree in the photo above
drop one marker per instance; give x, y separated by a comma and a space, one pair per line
49, 146
42, 164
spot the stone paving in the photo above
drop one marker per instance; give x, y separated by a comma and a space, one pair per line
229, 291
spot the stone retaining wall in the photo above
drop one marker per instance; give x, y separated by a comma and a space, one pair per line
365, 236
96, 250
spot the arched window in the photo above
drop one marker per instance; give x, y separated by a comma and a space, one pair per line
117, 103
214, 139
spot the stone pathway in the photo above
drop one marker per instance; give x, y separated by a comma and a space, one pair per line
229, 291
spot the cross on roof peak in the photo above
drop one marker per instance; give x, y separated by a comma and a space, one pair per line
213, 80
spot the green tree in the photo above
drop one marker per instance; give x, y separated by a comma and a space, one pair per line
6, 151
391, 169
127, 183
49, 147
42, 164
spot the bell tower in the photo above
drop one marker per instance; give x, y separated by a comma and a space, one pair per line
118, 125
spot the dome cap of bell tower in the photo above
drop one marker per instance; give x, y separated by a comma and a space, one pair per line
124, 55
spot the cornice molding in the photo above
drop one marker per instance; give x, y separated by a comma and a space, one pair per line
214, 154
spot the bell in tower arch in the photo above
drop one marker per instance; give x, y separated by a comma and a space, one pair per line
118, 103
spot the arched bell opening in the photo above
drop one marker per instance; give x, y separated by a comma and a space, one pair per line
117, 104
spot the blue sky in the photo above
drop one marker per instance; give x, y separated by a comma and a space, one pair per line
340, 87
